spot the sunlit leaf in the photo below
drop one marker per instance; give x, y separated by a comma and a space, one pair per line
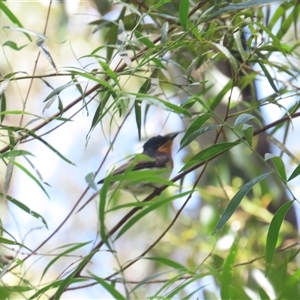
228, 55
227, 275
209, 152
155, 205
143, 39
242, 119
108, 287
164, 33
236, 200
12, 17
263, 294
26, 31
13, 45
273, 233
26, 209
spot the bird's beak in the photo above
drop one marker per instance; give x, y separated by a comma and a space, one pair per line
172, 136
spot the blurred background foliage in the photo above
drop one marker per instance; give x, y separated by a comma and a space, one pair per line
83, 82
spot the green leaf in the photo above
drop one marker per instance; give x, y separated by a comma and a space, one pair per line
290, 284
134, 220
295, 173
15, 153
26, 209
159, 4
109, 287
72, 248
232, 7
29, 175
26, 32
242, 119
170, 263
279, 165
273, 232
263, 294
232, 61
69, 279
93, 78
143, 39
12, 17
31, 133
226, 280
269, 77
163, 104
239, 45
184, 12
2, 106
109, 72
208, 153
13, 45
10, 242
53, 285
215, 101
102, 206
197, 123
248, 132
236, 200
138, 116
196, 133
164, 33
58, 90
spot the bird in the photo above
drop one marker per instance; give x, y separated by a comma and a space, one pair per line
157, 154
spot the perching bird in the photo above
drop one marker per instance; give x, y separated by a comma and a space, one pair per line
158, 149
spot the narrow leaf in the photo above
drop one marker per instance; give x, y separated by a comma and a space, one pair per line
10, 242
58, 90
29, 175
144, 40
196, 133
26, 209
134, 220
263, 295
248, 132
209, 153
226, 280
242, 119
236, 200
26, 31
184, 13
279, 165
12, 17
295, 173
13, 45
168, 262
269, 77
61, 255
164, 33
228, 55
239, 45
273, 232
138, 116
109, 287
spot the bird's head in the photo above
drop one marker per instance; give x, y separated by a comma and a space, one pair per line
160, 143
